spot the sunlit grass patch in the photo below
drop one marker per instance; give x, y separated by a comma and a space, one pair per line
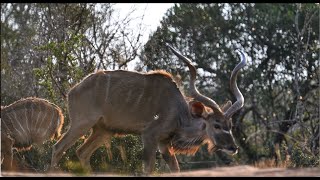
76, 168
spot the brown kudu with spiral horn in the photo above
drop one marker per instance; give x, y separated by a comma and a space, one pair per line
147, 104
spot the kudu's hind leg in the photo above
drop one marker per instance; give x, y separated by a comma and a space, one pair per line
97, 138
75, 131
6, 152
170, 159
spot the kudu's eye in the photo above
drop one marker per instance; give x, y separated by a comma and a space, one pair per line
217, 126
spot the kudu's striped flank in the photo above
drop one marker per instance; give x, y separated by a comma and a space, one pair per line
28, 121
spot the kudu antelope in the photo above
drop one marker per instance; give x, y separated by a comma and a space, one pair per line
149, 104
26, 122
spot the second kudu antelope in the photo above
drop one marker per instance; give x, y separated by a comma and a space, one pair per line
150, 104
25, 122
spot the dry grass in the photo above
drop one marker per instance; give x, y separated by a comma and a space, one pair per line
272, 163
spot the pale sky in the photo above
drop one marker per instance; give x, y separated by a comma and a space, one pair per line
153, 13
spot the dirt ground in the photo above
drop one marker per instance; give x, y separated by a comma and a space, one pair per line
234, 171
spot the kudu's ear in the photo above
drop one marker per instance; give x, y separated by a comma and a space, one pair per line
226, 106
198, 109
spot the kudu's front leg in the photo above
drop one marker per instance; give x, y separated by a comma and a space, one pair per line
150, 144
169, 158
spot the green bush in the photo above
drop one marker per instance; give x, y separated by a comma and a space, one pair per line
301, 158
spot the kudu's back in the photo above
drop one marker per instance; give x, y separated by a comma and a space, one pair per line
127, 101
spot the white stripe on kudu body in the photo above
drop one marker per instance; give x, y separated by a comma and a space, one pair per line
58, 122
142, 93
32, 120
27, 119
18, 121
43, 119
108, 86
6, 127
13, 125
35, 125
52, 115
129, 96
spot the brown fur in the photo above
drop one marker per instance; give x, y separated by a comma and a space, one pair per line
163, 73
29, 121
